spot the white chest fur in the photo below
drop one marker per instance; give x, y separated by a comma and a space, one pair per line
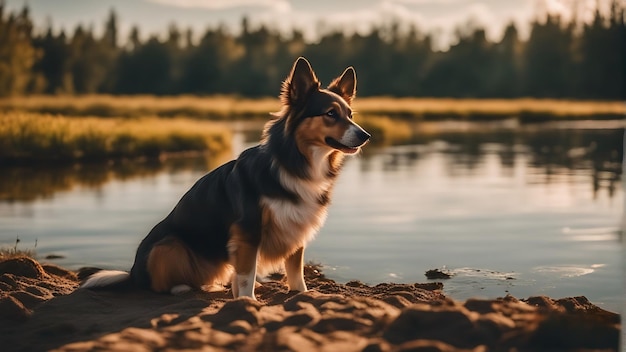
291, 225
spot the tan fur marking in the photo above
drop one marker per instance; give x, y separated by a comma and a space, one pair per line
294, 265
335, 160
272, 248
171, 263
312, 132
243, 253
284, 233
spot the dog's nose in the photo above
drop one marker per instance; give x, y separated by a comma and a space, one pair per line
363, 136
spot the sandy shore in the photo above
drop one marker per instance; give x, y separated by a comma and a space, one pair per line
40, 309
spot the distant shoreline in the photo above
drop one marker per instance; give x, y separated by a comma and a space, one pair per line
31, 138
101, 128
238, 108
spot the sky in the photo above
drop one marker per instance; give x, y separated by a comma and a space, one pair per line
311, 16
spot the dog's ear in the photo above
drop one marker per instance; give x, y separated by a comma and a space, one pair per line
300, 82
345, 85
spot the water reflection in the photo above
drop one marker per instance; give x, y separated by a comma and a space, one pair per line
553, 151
27, 184
550, 147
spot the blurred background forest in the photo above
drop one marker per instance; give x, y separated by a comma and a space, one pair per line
559, 59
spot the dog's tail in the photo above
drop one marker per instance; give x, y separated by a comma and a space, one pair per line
108, 279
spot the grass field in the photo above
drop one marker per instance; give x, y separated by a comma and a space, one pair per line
385, 130
230, 108
30, 137
524, 109
100, 127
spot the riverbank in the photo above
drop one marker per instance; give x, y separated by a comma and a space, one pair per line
236, 108
30, 138
45, 139
44, 129
40, 309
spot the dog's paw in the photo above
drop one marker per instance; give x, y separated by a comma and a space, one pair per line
180, 289
253, 297
298, 286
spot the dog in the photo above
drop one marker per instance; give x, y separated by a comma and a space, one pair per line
260, 209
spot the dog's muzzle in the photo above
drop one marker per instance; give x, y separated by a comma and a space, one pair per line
354, 138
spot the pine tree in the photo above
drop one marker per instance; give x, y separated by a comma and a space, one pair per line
17, 54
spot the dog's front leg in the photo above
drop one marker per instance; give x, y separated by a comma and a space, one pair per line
244, 278
243, 256
294, 266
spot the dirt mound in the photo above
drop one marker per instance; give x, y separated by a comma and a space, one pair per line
330, 317
24, 283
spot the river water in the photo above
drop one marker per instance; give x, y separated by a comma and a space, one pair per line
532, 209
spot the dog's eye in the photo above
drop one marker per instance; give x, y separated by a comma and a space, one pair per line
332, 113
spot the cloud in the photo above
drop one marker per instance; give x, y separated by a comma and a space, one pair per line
359, 20
278, 5
469, 17
280, 15
581, 10
470, 14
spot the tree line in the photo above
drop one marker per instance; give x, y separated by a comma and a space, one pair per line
560, 59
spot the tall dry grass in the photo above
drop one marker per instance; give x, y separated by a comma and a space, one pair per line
40, 137
385, 130
229, 107
490, 108
213, 107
